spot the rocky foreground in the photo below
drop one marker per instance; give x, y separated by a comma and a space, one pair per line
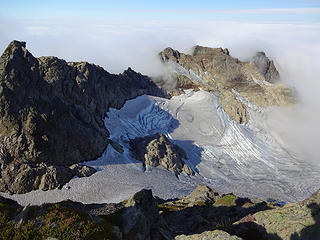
204, 214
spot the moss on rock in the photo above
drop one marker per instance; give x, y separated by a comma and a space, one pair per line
228, 200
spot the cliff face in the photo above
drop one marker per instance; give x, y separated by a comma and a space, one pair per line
51, 115
214, 70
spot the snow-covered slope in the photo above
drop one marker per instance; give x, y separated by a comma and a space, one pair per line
250, 160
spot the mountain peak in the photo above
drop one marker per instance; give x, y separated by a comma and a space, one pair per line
16, 56
265, 67
167, 53
15, 47
200, 50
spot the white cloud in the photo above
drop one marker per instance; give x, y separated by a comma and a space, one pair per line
231, 11
271, 11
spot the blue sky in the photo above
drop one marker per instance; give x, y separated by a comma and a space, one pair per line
249, 10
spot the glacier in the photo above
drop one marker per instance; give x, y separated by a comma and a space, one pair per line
251, 160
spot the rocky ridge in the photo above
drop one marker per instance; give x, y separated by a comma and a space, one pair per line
204, 214
214, 70
51, 116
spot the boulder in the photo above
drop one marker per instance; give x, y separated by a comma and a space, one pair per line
202, 195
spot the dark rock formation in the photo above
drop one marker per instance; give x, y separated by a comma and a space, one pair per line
214, 70
157, 150
51, 115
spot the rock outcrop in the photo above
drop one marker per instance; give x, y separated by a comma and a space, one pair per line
203, 195
140, 216
235, 82
51, 115
156, 150
23, 177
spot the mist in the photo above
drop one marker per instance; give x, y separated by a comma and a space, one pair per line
117, 45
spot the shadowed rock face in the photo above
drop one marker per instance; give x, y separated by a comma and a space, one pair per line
52, 112
214, 70
157, 150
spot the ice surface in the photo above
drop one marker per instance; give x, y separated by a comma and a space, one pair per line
250, 160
